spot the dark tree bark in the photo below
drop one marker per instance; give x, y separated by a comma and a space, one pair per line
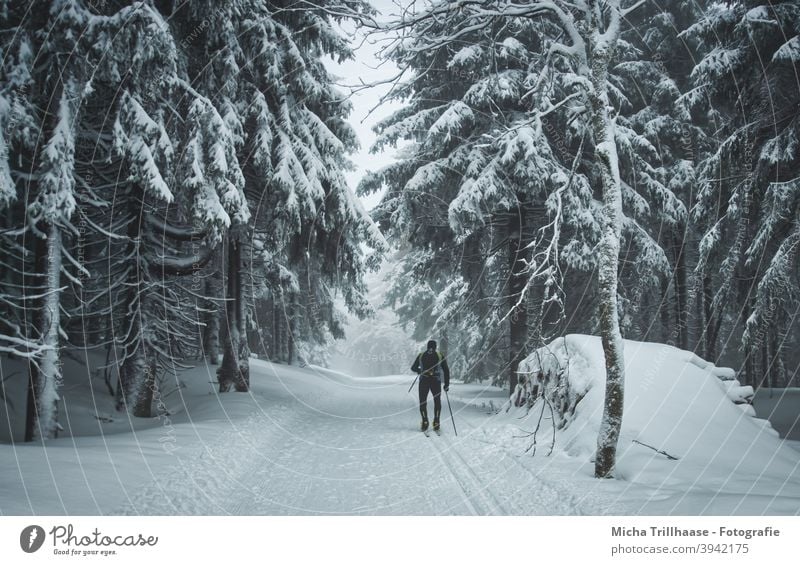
710, 329
665, 311
30, 408
132, 369
235, 369
290, 338
744, 292
143, 405
213, 290
681, 291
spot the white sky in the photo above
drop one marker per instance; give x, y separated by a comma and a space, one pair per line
367, 68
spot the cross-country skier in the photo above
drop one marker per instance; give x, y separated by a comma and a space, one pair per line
431, 366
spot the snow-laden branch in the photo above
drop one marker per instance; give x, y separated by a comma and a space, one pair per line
180, 266
176, 233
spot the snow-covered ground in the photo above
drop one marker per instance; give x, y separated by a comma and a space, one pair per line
314, 441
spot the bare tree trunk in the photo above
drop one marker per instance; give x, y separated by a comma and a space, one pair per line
132, 369
276, 321
778, 376
681, 301
283, 332
213, 288
235, 369
30, 408
134, 365
143, 405
290, 338
766, 365
751, 351
709, 341
664, 310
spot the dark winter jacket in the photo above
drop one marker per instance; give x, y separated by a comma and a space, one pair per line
431, 363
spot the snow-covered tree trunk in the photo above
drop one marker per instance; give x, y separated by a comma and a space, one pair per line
518, 278
45, 377
603, 126
48, 212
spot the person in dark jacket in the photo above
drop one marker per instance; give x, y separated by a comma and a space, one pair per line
431, 366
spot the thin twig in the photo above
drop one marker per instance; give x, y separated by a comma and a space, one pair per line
671, 457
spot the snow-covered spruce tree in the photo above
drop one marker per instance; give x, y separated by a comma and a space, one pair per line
579, 44
45, 71
261, 66
170, 187
649, 82
18, 122
747, 84
321, 227
460, 95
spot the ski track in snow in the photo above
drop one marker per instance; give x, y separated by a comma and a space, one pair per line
351, 450
537, 495
475, 494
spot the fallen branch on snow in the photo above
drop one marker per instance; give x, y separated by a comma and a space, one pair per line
673, 458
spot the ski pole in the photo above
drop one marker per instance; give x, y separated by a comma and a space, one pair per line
447, 396
412, 384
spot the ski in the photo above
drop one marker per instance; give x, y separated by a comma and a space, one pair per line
427, 433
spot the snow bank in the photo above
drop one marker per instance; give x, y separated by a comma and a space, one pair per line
674, 401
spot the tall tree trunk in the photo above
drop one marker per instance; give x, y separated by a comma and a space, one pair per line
290, 335
143, 403
751, 351
710, 340
45, 371
134, 364
274, 355
608, 248
778, 376
30, 407
213, 288
132, 371
664, 311
766, 365
518, 328
681, 291
33, 281
235, 369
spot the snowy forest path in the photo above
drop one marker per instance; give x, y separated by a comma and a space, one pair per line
319, 442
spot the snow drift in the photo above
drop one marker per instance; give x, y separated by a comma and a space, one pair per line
675, 402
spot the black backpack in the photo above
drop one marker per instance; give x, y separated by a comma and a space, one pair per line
431, 365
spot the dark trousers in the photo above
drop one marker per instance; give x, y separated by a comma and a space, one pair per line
430, 384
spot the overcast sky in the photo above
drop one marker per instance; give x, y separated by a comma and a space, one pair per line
367, 68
